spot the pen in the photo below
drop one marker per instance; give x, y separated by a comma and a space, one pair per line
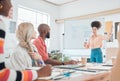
41, 63
62, 75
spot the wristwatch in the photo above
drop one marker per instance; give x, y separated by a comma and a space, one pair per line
63, 63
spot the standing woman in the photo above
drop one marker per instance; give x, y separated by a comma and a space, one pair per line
114, 74
12, 75
95, 43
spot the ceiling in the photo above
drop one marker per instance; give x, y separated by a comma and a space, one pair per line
59, 2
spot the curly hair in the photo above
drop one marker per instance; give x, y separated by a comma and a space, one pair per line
96, 24
24, 34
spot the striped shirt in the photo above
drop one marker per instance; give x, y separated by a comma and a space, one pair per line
8, 74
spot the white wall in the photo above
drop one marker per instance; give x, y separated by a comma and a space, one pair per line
84, 7
40, 6
77, 8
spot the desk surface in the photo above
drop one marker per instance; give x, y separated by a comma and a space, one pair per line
77, 75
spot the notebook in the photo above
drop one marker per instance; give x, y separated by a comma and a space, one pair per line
99, 68
69, 66
57, 75
34, 68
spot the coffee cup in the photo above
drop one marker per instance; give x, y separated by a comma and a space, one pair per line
84, 61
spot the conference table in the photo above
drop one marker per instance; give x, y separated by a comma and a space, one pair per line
76, 72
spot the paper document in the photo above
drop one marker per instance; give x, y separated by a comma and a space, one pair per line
100, 68
58, 75
69, 66
34, 68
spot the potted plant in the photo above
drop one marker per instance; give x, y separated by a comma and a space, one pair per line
57, 55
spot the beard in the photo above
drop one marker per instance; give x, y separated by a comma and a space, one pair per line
48, 35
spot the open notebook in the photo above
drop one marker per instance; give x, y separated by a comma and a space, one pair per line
58, 75
69, 66
99, 68
55, 74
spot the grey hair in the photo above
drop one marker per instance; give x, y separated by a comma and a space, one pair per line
24, 34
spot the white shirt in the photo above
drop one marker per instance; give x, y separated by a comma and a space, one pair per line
20, 59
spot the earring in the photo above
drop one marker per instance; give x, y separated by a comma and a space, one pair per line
1, 6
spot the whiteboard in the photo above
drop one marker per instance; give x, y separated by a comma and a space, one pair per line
76, 32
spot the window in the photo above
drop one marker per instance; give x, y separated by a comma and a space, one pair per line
33, 16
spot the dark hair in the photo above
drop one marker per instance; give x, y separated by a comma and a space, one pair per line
96, 24
5, 6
